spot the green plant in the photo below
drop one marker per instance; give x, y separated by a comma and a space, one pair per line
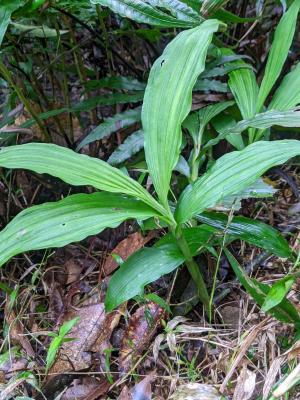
167, 103
59, 339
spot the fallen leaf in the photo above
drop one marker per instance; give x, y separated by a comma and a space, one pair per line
16, 331
141, 328
245, 385
73, 271
142, 390
196, 391
124, 249
86, 389
93, 328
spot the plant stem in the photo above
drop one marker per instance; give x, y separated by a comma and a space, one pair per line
194, 271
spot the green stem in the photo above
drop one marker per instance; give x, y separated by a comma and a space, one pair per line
194, 271
7, 76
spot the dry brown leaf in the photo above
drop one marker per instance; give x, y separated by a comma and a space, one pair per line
242, 351
125, 394
124, 249
86, 389
141, 328
271, 376
196, 391
142, 390
93, 328
16, 332
245, 385
73, 271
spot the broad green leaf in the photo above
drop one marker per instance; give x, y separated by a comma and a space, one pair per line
224, 70
206, 114
178, 9
69, 220
116, 82
257, 190
290, 118
111, 125
227, 16
141, 11
242, 83
233, 173
36, 31
285, 311
140, 269
287, 95
211, 6
114, 98
283, 38
249, 230
132, 145
278, 292
168, 100
149, 264
210, 85
75, 169
222, 124
7, 7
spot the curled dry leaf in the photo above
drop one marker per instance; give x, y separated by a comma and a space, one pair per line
86, 389
141, 328
196, 391
124, 249
245, 385
94, 328
141, 391
73, 271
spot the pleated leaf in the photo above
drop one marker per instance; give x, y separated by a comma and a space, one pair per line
149, 264
285, 311
233, 173
75, 169
7, 7
168, 99
69, 220
211, 6
132, 145
290, 118
178, 9
141, 11
249, 230
287, 95
243, 86
111, 125
283, 38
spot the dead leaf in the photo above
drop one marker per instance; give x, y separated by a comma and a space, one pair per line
125, 394
142, 390
245, 385
141, 328
16, 332
73, 271
93, 328
124, 249
86, 389
196, 391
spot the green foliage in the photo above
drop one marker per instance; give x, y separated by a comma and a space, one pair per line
58, 340
173, 138
168, 96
